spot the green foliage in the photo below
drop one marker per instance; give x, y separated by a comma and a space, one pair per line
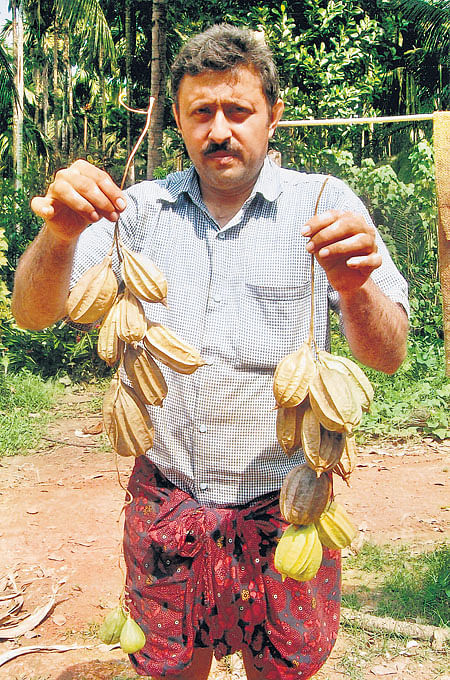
4, 301
19, 225
402, 201
58, 350
24, 397
408, 584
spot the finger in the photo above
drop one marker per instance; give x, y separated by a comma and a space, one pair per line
96, 186
318, 222
344, 227
103, 180
358, 244
372, 261
82, 195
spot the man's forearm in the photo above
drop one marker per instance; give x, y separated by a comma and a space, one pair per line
41, 283
376, 327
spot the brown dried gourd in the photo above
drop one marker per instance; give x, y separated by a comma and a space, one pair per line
310, 435
292, 377
298, 553
142, 276
332, 401
288, 427
358, 381
347, 461
109, 346
303, 495
171, 350
126, 420
331, 447
335, 528
146, 376
132, 322
93, 294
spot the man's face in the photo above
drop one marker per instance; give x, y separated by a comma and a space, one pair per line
226, 122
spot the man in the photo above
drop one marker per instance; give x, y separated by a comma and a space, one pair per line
234, 235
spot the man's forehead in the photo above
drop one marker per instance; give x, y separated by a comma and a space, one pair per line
236, 81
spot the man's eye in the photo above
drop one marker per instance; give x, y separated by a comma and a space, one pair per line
239, 112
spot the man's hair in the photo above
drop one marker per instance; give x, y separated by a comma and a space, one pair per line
222, 48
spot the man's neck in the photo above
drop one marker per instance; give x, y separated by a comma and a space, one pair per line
224, 205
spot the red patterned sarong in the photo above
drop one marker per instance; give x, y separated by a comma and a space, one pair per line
204, 577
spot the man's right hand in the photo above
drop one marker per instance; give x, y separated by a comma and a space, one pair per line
79, 195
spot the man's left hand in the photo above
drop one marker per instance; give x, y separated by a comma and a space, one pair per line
344, 245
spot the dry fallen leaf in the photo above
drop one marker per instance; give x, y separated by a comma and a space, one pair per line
94, 429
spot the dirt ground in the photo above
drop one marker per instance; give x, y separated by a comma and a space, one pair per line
60, 524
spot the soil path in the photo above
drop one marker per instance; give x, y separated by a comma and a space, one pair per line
60, 521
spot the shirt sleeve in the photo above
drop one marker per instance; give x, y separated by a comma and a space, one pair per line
387, 276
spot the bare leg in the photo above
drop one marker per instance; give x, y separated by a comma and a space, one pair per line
198, 670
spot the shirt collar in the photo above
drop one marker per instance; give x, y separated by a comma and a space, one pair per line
268, 184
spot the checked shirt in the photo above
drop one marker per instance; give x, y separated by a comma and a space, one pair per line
241, 296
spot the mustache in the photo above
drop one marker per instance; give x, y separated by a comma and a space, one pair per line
213, 147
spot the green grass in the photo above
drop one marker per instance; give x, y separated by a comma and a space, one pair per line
404, 584
25, 403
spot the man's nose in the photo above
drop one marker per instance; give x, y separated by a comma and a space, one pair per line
220, 128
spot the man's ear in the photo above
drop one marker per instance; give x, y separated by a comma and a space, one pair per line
275, 117
176, 115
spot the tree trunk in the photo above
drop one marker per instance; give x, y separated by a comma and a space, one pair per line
45, 99
158, 83
17, 15
66, 96
55, 115
131, 175
102, 103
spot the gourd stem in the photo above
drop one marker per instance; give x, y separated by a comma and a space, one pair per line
148, 113
311, 338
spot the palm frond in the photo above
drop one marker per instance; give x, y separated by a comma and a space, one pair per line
87, 18
431, 21
7, 85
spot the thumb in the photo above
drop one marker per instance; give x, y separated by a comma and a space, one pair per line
42, 206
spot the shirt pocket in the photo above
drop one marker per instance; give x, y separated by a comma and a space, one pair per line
273, 321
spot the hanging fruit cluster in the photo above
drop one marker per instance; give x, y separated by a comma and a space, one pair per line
128, 339
320, 399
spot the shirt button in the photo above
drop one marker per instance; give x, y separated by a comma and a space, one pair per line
221, 235
217, 298
202, 428
203, 486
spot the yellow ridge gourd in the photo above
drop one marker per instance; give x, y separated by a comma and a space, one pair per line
132, 637
335, 528
288, 427
298, 553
